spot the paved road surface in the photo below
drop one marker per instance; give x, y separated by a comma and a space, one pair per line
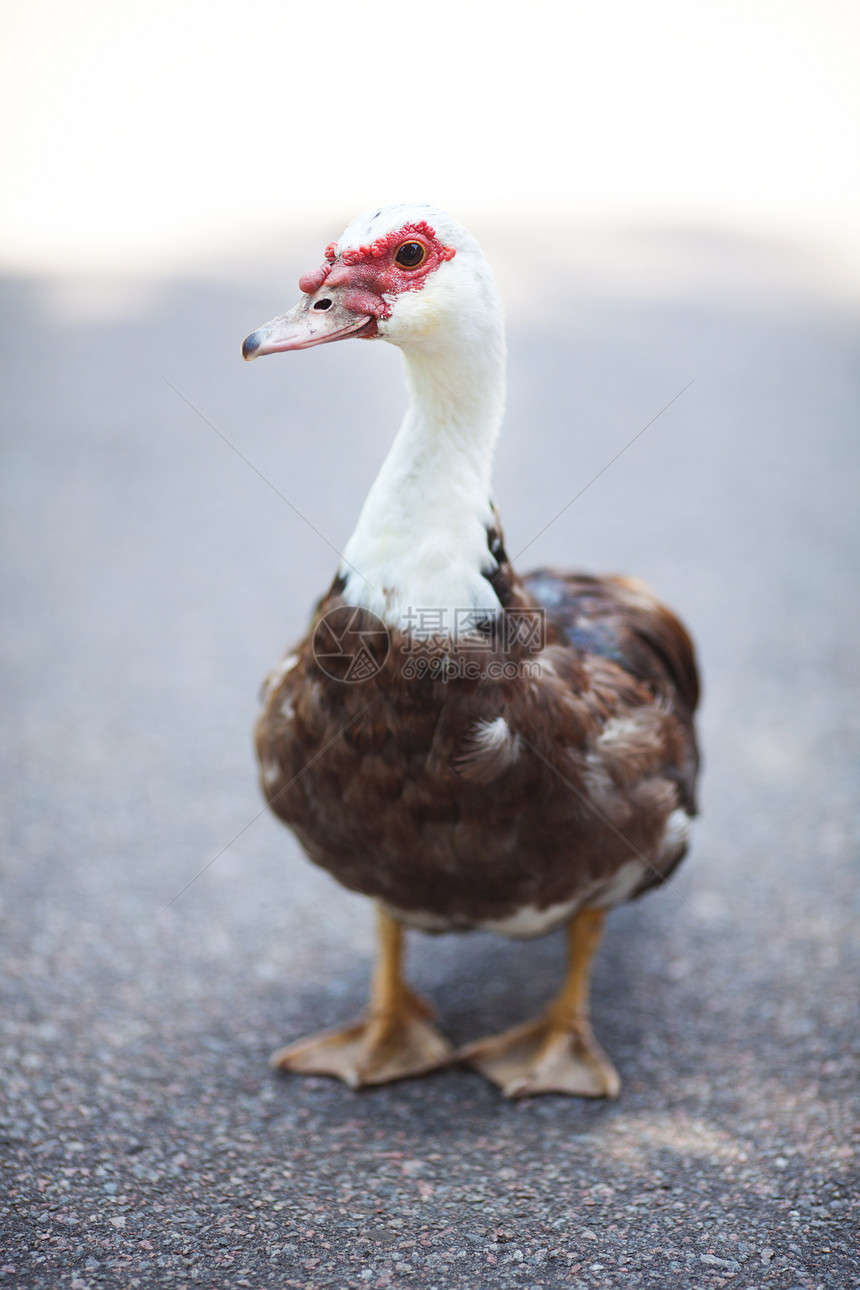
152, 579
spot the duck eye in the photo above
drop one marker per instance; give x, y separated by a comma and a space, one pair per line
411, 254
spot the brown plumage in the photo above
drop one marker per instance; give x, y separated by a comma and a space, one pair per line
409, 806
534, 765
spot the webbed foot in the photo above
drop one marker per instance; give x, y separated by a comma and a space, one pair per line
543, 1057
557, 1053
383, 1047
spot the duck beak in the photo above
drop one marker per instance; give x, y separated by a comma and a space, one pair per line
315, 320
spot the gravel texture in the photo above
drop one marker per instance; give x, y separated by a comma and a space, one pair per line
153, 579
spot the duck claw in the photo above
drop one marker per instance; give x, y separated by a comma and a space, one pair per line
376, 1050
540, 1057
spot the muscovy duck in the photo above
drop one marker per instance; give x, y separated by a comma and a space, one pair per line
467, 747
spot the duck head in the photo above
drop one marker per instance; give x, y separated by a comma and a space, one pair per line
408, 274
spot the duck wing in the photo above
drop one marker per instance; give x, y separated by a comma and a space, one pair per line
620, 619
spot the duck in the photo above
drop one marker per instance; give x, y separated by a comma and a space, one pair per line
469, 748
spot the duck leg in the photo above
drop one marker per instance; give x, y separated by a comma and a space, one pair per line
557, 1053
394, 1040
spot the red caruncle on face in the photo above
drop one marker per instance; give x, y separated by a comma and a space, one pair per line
400, 261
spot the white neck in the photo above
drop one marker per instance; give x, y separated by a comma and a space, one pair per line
419, 550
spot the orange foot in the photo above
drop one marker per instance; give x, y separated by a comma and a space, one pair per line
385, 1046
544, 1057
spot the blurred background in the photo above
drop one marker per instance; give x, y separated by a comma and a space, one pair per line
162, 138
670, 197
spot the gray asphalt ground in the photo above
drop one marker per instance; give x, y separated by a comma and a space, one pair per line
161, 935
